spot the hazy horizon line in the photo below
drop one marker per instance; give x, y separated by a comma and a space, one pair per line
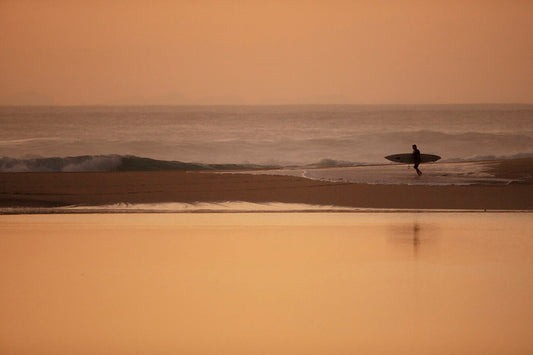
273, 104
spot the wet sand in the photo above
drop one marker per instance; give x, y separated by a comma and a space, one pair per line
104, 188
367, 283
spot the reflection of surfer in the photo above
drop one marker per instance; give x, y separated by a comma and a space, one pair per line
416, 159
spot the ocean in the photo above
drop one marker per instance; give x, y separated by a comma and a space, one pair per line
111, 138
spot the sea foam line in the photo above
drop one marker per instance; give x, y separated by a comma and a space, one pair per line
225, 207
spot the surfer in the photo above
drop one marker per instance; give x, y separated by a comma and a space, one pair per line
416, 159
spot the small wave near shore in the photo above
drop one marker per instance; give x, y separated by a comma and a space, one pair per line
116, 162
446, 172
87, 163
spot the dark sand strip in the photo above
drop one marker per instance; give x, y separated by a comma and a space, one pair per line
101, 188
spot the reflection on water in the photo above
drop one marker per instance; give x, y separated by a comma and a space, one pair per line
412, 236
298, 283
416, 237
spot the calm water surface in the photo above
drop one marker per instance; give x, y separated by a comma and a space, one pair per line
279, 283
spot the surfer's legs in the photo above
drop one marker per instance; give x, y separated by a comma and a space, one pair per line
417, 170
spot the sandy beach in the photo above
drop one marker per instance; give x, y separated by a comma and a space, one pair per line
102, 188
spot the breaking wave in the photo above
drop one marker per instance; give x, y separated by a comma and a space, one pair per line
474, 158
86, 163
115, 162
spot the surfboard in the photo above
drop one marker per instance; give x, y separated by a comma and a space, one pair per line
407, 158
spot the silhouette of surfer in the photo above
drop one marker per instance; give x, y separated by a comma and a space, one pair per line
416, 159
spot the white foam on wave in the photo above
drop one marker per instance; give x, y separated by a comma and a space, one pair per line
94, 163
66, 164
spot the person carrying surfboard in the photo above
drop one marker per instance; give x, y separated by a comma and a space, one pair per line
416, 159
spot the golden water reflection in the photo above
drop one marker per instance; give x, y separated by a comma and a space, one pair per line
316, 283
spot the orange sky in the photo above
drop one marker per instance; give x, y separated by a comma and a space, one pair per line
265, 52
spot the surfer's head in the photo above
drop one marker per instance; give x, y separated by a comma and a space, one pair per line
414, 146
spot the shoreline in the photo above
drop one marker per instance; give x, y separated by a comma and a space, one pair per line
52, 190
59, 211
